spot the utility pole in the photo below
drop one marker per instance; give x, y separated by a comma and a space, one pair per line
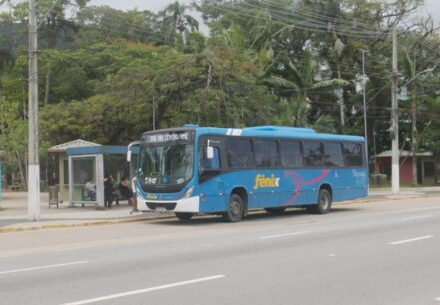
339, 47
33, 158
374, 147
154, 113
394, 130
364, 84
414, 126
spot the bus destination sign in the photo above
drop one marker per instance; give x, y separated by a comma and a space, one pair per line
167, 137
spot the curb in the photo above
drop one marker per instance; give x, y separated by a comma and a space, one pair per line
80, 224
156, 217
386, 198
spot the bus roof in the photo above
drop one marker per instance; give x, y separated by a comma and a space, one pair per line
280, 128
265, 132
278, 132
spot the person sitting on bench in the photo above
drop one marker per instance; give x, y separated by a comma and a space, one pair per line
90, 188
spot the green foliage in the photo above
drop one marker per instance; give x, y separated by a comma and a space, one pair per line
104, 73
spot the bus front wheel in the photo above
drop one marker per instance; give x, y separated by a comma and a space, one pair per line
235, 209
184, 216
324, 203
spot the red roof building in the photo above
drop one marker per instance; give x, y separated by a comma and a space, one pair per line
425, 166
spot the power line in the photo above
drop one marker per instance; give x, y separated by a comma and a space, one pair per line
241, 11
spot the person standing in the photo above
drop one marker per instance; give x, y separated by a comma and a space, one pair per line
108, 191
127, 193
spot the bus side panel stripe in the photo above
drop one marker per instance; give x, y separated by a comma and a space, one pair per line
297, 182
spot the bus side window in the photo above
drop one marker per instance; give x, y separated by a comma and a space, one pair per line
209, 168
266, 153
290, 152
240, 153
209, 164
313, 153
353, 154
333, 155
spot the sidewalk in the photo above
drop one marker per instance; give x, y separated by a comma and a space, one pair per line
386, 193
14, 217
13, 210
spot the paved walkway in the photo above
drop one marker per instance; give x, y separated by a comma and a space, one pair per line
13, 210
386, 193
13, 214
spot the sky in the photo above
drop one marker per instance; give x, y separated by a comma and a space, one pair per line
151, 5
431, 6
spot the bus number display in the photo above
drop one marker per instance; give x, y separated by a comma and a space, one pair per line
167, 137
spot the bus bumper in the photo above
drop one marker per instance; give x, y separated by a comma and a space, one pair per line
187, 205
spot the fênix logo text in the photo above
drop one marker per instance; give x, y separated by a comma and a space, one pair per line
262, 181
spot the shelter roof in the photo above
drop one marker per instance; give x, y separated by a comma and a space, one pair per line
76, 143
100, 150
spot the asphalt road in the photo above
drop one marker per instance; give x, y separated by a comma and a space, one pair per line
367, 253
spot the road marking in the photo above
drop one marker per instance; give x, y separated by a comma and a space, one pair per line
438, 299
42, 267
128, 293
416, 217
284, 235
410, 240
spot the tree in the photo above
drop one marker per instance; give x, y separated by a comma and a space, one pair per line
103, 23
175, 19
271, 62
13, 119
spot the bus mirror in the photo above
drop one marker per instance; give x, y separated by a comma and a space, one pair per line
210, 152
129, 149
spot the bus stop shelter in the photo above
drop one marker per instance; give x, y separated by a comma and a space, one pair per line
87, 167
59, 165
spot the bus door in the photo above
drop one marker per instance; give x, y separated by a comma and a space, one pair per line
210, 170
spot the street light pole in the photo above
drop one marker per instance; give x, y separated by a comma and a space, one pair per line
417, 75
33, 158
394, 130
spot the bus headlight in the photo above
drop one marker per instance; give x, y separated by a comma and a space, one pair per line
188, 193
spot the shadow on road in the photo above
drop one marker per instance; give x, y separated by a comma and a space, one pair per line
255, 216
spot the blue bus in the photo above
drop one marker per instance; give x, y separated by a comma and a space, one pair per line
205, 170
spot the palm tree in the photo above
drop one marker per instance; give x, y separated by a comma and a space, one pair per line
174, 19
300, 117
297, 80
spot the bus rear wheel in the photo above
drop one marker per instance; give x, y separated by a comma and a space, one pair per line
235, 209
324, 203
276, 210
184, 216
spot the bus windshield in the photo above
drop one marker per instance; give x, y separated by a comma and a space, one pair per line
166, 164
